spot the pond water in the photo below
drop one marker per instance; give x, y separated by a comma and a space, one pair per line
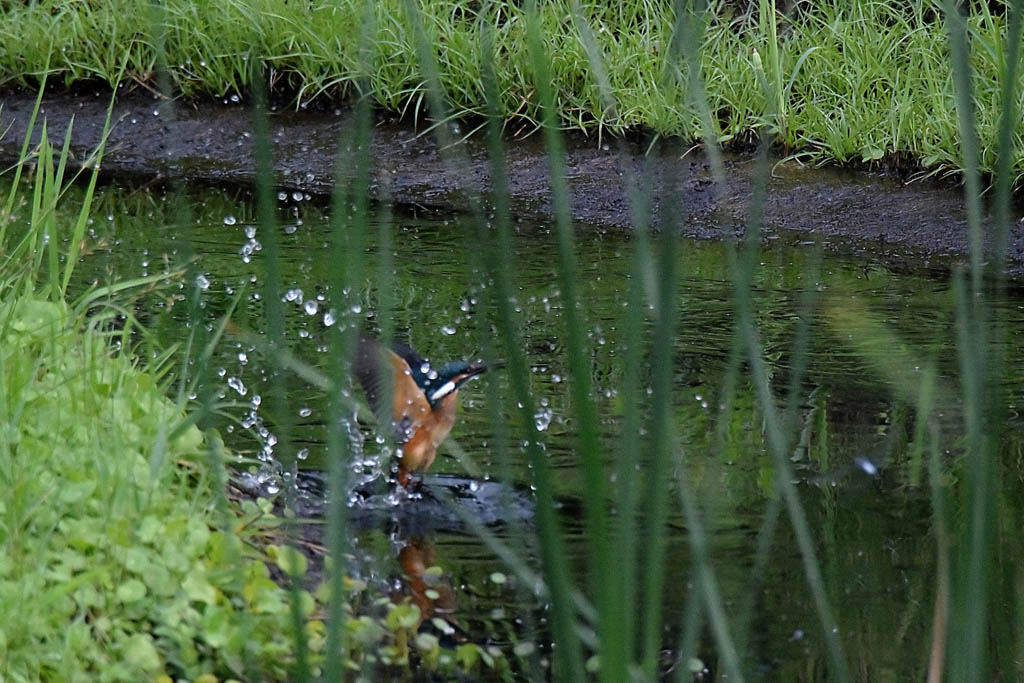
871, 525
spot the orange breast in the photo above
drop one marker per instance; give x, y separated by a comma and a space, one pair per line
428, 429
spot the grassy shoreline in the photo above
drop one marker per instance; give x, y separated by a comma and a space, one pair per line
860, 82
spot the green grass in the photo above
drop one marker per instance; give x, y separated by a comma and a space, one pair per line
118, 563
848, 82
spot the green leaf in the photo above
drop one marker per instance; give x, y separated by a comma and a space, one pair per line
198, 588
149, 529
427, 642
467, 655
403, 617
73, 492
871, 154
140, 653
291, 561
131, 590
217, 627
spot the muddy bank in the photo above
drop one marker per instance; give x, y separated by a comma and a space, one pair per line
920, 223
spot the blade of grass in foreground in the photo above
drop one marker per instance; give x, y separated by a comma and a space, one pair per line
349, 212
685, 54
499, 309
22, 156
743, 265
274, 314
1009, 117
1008, 626
968, 659
568, 655
618, 646
658, 477
588, 445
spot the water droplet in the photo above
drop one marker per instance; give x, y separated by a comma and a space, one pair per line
237, 385
302, 454
202, 281
310, 307
524, 649
542, 419
243, 357
230, 220
448, 330
866, 465
293, 295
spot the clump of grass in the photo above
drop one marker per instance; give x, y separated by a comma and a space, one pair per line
116, 564
849, 82
113, 565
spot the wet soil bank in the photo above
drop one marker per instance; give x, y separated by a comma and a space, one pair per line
917, 224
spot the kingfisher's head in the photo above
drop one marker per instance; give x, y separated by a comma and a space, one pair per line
440, 383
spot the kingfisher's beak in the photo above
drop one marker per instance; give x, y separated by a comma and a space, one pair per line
475, 369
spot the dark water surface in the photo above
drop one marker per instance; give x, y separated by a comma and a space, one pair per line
871, 523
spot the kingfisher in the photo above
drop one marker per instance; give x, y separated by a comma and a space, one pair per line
424, 400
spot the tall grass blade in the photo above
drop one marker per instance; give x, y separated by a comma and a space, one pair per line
743, 266
23, 156
82, 222
588, 444
1009, 116
971, 592
274, 314
707, 584
568, 656
658, 475
349, 219
956, 25
1000, 329
618, 646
